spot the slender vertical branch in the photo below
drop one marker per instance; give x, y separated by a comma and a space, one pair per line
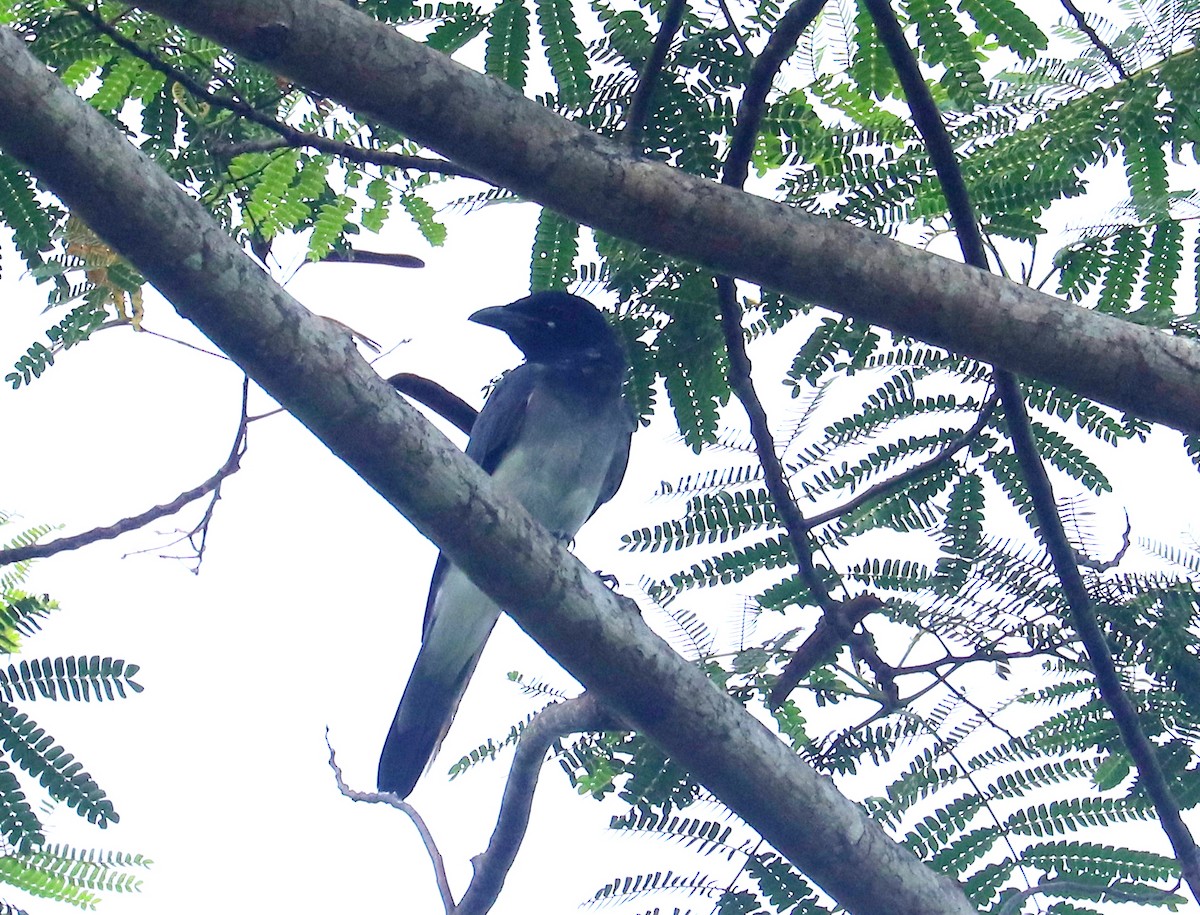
941, 152
753, 105
639, 105
737, 162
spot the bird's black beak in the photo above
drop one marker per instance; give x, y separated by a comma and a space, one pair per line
498, 316
508, 319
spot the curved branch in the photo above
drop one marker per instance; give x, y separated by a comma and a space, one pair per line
639, 105
753, 105
582, 713
383, 797
1142, 752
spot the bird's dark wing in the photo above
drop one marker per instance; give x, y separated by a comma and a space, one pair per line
619, 462
495, 429
500, 421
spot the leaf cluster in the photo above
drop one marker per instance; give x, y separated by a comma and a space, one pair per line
29, 755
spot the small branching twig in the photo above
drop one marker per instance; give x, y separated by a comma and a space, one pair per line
210, 486
384, 797
582, 713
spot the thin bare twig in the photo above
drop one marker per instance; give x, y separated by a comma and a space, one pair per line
384, 797
289, 136
885, 487
210, 486
988, 655
928, 122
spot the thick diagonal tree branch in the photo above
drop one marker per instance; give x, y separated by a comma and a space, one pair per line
315, 371
1083, 616
489, 128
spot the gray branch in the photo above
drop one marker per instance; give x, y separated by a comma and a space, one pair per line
512, 141
315, 372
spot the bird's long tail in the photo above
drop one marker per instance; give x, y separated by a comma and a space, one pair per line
461, 621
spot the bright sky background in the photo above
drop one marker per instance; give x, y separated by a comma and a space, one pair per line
307, 610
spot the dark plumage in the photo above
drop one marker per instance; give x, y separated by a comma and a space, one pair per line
554, 433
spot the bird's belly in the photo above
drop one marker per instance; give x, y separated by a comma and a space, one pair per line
558, 475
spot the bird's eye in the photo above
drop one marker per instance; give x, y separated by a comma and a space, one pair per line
551, 324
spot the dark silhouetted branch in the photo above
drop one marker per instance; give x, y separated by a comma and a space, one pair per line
444, 403
749, 116
886, 487
1094, 38
1142, 752
380, 258
582, 713
753, 105
639, 105
831, 632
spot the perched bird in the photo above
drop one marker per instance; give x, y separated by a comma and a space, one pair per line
555, 434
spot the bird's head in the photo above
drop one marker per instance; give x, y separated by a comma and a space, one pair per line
556, 328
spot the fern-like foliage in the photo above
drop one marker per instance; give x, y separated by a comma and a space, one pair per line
58, 872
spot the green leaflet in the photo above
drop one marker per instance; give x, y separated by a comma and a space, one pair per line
1004, 20
555, 247
564, 51
37, 753
507, 54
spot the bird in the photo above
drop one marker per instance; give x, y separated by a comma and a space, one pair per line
555, 433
